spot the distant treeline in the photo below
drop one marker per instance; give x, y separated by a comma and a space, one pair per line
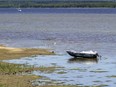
56, 4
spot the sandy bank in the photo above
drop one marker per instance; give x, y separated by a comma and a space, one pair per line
11, 52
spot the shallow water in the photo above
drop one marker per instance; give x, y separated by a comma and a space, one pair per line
61, 32
73, 71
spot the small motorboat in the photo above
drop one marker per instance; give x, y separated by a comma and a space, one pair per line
83, 54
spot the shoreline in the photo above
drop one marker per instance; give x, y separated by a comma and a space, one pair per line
10, 74
58, 4
13, 53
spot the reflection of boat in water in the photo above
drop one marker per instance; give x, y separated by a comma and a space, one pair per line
83, 54
83, 60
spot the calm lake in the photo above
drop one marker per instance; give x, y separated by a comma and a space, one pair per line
62, 29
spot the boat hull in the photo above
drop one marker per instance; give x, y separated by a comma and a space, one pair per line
82, 55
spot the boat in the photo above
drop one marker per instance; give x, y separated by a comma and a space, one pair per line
83, 54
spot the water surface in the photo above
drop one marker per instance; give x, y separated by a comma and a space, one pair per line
61, 30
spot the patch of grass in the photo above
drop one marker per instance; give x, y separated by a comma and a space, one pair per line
11, 75
102, 85
62, 72
112, 76
98, 71
12, 53
79, 69
17, 80
7, 68
1, 85
97, 81
47, 69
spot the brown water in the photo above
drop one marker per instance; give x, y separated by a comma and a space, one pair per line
61, 32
